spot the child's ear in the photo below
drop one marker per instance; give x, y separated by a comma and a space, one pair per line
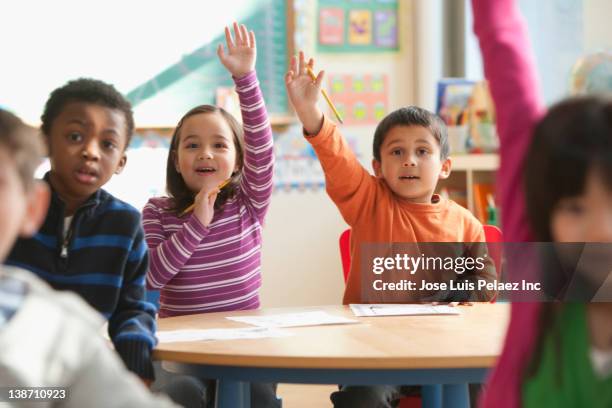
36, 208
377, 168
446, 169
121, 165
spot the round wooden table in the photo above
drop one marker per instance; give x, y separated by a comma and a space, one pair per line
442, 353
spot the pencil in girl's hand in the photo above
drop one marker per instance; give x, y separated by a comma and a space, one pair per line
219, 187
329, 102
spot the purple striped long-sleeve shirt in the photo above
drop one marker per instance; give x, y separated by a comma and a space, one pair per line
204, 269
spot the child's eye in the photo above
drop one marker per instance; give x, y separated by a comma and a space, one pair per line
574, 207
107, 144
422, 151
75, 137
220, 146
191, 146
396, 152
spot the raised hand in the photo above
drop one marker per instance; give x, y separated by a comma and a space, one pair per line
241, 51
304, 93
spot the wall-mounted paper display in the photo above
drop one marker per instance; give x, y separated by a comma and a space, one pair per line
358, 25
360, 99
296, 165
331, 26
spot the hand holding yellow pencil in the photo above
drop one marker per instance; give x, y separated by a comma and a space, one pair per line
303, 89
219, 187
329, 102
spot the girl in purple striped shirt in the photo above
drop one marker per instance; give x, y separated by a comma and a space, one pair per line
207, 258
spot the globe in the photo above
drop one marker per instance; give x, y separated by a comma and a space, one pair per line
592, 74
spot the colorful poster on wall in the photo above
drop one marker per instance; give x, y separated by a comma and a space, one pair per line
360, 27
360, 99
296, 165
385, 23
331, 26
371, 25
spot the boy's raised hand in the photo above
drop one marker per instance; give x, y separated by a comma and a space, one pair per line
304, 93
241, 51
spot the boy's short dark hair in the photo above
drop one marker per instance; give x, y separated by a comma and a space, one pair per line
23, 144
88, 91
412, 116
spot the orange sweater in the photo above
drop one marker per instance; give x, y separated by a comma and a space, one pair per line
376, 214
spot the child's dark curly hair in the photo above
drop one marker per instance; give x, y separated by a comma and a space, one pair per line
88, 91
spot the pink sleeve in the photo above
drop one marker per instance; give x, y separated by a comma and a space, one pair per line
168, 253
510, 69
258, 171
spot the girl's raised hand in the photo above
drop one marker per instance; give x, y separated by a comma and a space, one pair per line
304, 92
241, 51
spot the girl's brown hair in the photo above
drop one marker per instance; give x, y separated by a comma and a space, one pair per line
175, 185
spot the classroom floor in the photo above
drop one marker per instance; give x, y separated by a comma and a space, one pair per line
305, 395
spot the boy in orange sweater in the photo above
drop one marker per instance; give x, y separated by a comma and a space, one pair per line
396, 205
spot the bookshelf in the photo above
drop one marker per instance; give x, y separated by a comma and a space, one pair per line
469, 170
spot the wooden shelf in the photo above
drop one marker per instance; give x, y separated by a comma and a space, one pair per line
470, 169
475, 162
282, 120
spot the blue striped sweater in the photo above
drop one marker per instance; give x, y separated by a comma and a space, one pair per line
104, 260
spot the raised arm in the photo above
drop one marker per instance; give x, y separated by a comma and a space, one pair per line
348, 183
510, 69
258, 166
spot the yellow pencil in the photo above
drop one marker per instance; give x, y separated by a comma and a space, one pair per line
329, 102
219, 187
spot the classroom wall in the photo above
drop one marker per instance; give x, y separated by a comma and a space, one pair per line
560, 32
301, 259
597, 30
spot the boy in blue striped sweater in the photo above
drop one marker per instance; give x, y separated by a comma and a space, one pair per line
92, 243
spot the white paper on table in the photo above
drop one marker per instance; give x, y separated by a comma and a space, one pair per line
402, 310
316, 318
220, 334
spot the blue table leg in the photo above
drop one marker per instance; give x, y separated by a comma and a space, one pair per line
233, 394
432, 396
456, 396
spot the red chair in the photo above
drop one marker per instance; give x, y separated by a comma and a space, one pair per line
494, 235
345, 252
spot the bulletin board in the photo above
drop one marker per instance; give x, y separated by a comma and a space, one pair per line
357, 26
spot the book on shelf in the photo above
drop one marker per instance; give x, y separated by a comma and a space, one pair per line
484, 201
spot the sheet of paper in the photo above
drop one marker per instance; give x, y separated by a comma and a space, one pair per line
316, 318
402, 310
220, 334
